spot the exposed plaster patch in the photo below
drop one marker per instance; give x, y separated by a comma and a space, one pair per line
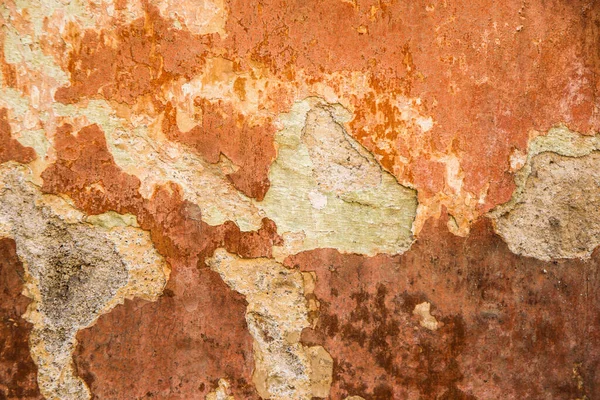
277, 312
221, 392
359, 207
427, 320
143, 151
74, 271
200, 17
554, 212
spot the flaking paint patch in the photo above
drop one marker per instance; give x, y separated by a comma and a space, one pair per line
554, 210
140, 148
221, 392
328, 191
427, 321
74, 271
276, 314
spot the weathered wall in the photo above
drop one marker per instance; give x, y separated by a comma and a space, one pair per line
344, 199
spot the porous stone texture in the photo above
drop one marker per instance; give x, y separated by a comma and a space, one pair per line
265, 199
277, 312
554, 212
75, 271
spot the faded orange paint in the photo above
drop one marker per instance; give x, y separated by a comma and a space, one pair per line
487, 80
149, 53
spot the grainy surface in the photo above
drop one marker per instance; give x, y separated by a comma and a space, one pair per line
345, 199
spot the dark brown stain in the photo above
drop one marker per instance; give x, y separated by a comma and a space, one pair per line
18, 372
513, 327
10, 148
196, 332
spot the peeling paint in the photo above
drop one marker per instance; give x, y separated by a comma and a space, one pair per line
276, 314
359, 143
554, 211
74, 273
365, 211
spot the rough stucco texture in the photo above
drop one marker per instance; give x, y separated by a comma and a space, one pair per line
319, 199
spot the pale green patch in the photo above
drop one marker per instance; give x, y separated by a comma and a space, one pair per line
112, 219
376, 218
156, 161
35, 138
23, 48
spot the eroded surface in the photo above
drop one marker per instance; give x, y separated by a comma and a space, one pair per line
75, 271
333, 135
276, 314
328, 191
508, 326
554, 212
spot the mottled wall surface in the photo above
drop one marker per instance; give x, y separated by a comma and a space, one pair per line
337, 199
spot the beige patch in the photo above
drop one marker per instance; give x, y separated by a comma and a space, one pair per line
328, 191
277, 312
74, 272
555, 212
428, 321
198, 16
221, 392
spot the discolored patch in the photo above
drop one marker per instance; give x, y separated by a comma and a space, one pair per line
207, 336
328, 191
10, 148
132, 61
74, 272
18, 373
223, 131
508, 326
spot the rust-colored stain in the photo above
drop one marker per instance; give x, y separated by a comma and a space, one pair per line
511, 327
208, 338
178, 347
223, 131
18, 373
10, 148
